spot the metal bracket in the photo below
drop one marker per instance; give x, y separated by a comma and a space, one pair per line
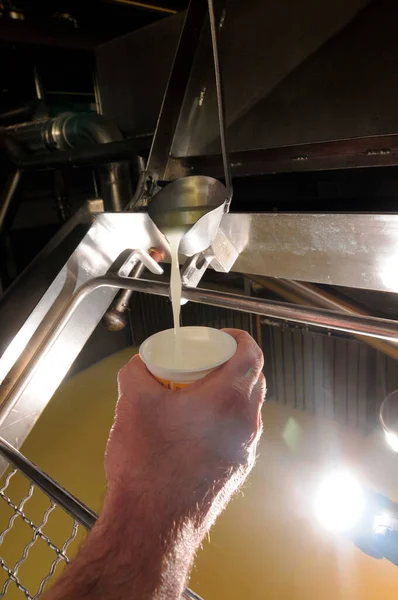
221, 256
141, 256
115, 318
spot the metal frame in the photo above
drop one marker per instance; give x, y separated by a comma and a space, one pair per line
357, 324
293, 246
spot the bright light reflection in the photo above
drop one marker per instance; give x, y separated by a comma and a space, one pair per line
389, 273
339, 501
392, 440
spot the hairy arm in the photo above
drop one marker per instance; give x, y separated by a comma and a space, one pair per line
173, 461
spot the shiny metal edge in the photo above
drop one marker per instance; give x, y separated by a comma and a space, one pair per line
344, 249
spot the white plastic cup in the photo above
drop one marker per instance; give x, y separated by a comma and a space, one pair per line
213, 348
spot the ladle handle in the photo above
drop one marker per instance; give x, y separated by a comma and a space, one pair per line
220, 107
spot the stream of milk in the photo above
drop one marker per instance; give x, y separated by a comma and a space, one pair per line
175, 289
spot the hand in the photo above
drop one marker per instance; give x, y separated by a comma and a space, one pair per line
173, 460
188, 450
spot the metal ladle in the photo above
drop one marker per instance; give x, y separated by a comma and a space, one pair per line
195, 205
192, 206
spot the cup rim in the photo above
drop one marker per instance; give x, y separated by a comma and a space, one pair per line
209, 366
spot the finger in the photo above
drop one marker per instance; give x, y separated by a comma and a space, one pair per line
257, 400
248, 360
259, 391
135, 376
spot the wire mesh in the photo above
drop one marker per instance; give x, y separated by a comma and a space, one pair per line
31, 511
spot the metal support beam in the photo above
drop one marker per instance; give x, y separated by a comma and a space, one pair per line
369, 151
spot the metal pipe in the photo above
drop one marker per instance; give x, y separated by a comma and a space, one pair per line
72, 131
314, 295
115, 318
8, 194
91, 155
22, 113
356, 324
115, 185
302, 293
76, 509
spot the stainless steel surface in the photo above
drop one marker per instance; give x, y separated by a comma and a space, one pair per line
108, 238
137, 107
21, 298
272, 124
301, 109
214, 27
193, 206
175, 89
8, 194
194, 269
13, 388
221, 256
367, 151
262, 43
311, 295
222, 252
352, 250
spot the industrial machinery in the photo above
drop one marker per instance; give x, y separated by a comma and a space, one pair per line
116, 244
